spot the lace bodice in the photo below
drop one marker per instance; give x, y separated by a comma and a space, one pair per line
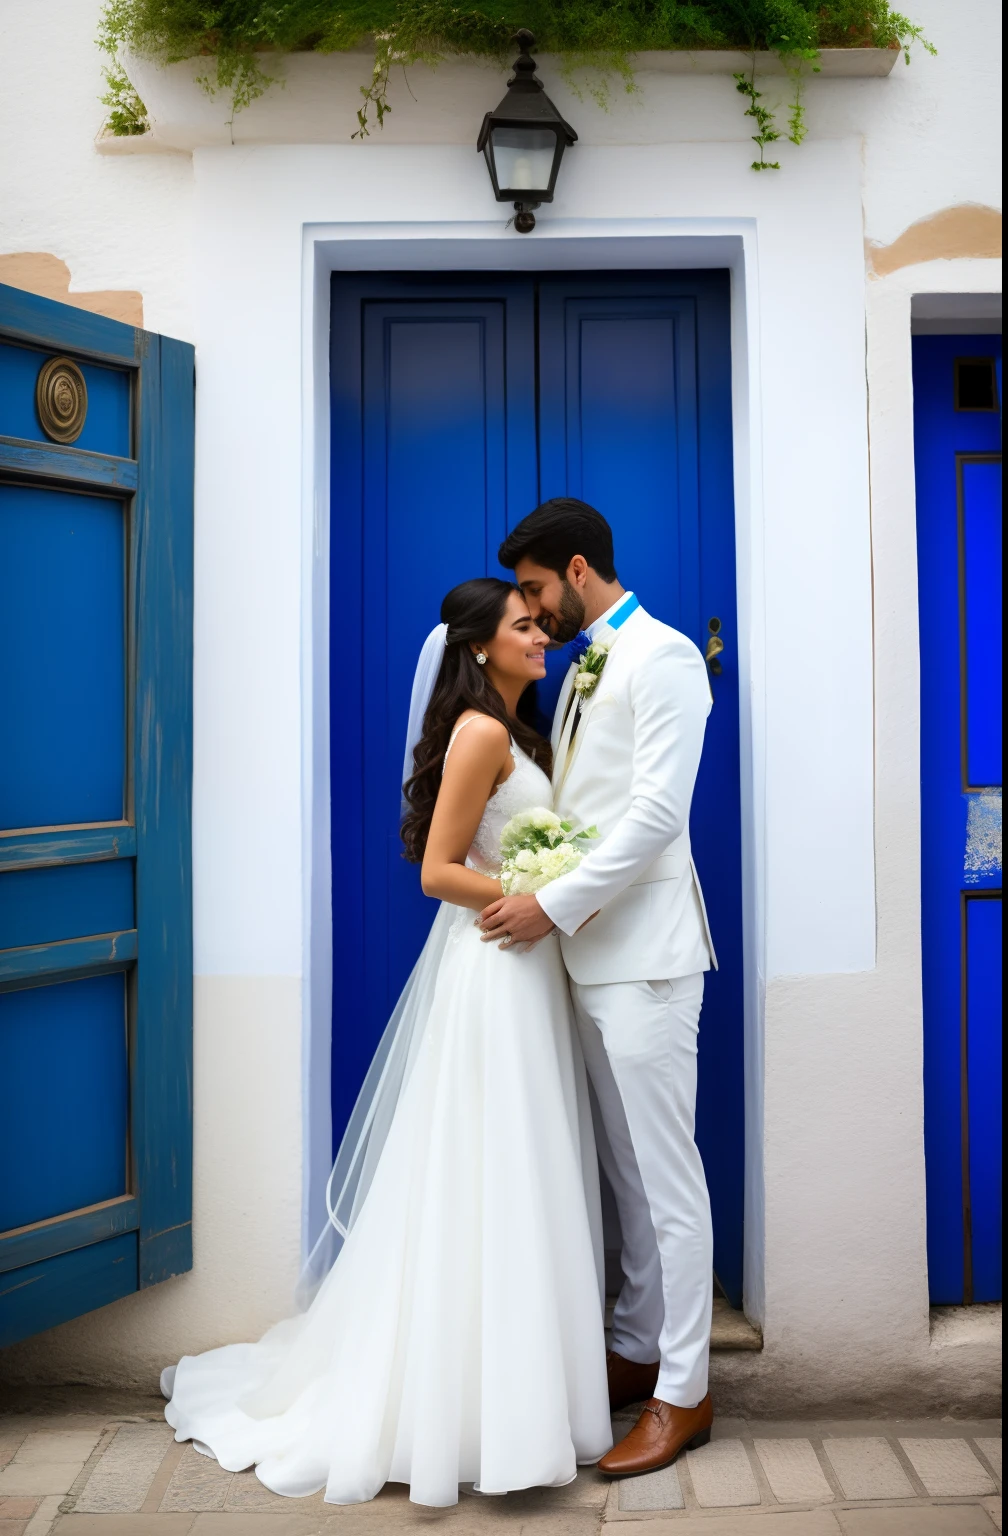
525, 787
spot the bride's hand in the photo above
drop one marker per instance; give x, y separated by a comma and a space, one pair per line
514, 920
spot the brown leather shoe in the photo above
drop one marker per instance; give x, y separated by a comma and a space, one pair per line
628, 1381
661, 1432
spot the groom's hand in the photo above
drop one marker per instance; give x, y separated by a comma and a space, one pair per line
520, 916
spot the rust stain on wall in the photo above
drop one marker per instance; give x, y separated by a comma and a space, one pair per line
969, 229
42, 273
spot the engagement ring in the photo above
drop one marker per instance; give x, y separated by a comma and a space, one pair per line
507, 939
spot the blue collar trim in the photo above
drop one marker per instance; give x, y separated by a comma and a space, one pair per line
623, 612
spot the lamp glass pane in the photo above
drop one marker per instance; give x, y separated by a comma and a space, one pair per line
524, 158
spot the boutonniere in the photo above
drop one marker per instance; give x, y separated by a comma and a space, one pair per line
589, 669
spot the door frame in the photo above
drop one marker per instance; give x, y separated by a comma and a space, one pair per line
665, 245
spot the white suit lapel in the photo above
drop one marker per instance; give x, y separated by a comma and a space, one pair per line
559, 714
563, 760
563, 724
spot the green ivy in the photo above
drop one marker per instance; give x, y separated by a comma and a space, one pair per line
594, 38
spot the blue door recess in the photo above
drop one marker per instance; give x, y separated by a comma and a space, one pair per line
957, 447
458, 403
95, 771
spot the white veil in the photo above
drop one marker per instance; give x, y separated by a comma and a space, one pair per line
392, 1063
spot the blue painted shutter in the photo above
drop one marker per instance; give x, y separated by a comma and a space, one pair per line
95, 791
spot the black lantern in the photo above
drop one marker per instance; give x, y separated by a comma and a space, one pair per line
524, 140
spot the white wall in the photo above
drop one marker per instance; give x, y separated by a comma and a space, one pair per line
836, 1265
117, 223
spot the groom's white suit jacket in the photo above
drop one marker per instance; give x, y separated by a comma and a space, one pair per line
630, 770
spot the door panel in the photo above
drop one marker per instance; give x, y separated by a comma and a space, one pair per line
95, 848
56, 1289
109, 401
433, 502
42, 906
635, 411
958, 473
63, 1139
435, 395
62, 624
433, 435
983, 1024
982, 578
618, 409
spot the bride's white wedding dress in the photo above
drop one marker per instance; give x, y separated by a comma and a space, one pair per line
458, 1336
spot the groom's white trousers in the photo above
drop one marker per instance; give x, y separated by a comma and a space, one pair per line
640, 1045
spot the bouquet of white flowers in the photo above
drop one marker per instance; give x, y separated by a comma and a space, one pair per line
538, 847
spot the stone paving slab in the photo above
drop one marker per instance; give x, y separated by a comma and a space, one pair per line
793, 1472
13, 1507
947, 1467
721, 1475
655, 1490
822, 1429
16, 1513
38, 1477
123, 1524
991, 1448
48, 1446
803, 1522
258, 1525
120, 1481
247, 1495
929, 1520
198, 1483
868, 1468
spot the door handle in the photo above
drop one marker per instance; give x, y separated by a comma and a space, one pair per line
715, 645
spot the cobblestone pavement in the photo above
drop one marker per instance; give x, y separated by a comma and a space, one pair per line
84, 1463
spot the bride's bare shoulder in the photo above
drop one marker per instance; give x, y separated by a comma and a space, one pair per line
477, 736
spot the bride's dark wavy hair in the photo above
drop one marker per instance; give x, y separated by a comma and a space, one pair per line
473, 612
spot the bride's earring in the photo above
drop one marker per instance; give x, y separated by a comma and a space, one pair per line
481, 658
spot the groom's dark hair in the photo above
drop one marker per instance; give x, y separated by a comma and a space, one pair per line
557, 531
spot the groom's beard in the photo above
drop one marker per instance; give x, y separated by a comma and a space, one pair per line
563, 626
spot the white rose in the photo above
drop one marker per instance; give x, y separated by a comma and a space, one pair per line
559, 861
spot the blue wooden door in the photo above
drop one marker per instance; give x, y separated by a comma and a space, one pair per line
957, 446
96, 444
458, 404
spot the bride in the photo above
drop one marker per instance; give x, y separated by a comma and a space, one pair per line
454, 1327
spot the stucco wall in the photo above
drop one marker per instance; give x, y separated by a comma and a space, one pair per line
229, 247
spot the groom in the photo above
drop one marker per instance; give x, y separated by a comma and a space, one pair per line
626, 749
